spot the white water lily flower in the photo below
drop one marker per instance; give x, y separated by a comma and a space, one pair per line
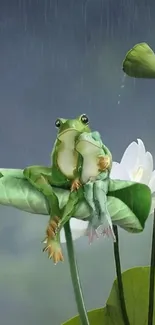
136, 165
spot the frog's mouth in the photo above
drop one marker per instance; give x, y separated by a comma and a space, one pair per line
68, 136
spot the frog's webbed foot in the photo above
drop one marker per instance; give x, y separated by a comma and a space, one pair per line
53, 249
52, 242
106, 232
105, 228
92, 234
76, 184
100, 226
103, 163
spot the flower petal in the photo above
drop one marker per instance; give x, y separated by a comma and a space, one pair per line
147, 168
119, 172
152, 182
149, 160
129, 158
141, 151
78, 229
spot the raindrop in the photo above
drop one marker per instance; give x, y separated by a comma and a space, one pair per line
121, 88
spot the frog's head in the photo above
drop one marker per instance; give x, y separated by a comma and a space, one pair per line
68, 130
89, 143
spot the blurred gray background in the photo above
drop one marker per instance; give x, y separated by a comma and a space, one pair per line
61, 58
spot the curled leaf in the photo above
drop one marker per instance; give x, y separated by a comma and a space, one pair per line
139, 62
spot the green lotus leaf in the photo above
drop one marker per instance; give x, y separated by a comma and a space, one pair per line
139, 62
136, 292
128, 202
95, 316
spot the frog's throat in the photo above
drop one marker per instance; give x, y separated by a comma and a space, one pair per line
68, 136
85, 145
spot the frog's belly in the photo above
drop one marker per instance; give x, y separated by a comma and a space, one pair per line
90, 169
67, 161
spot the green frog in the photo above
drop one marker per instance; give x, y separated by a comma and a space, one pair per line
95, 176
63, 172
95, 163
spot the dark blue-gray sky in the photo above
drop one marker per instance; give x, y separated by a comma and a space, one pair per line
60, 58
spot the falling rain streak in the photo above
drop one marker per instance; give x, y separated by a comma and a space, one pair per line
121, 89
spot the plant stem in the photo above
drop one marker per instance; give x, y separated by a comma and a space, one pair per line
119, 278
152, 275
75, 276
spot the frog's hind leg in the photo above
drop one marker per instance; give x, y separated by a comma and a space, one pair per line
89, 195
41, 178
91, 233
52, 241
93, 223
68, 210
100, 195
53, 248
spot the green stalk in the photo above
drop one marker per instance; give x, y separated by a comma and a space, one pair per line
75, 276
119, 278
152, 275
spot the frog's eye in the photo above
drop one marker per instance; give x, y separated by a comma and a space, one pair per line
57, 123
84, 119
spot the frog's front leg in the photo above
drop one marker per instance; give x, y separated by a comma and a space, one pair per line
104, 163
41, 178
76, 184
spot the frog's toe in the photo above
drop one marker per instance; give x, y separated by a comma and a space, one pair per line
54, 251
103, 163
106, 232
92, 234
76, 184
56, 256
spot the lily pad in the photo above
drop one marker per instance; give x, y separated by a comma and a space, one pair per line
136, 292
140, 62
